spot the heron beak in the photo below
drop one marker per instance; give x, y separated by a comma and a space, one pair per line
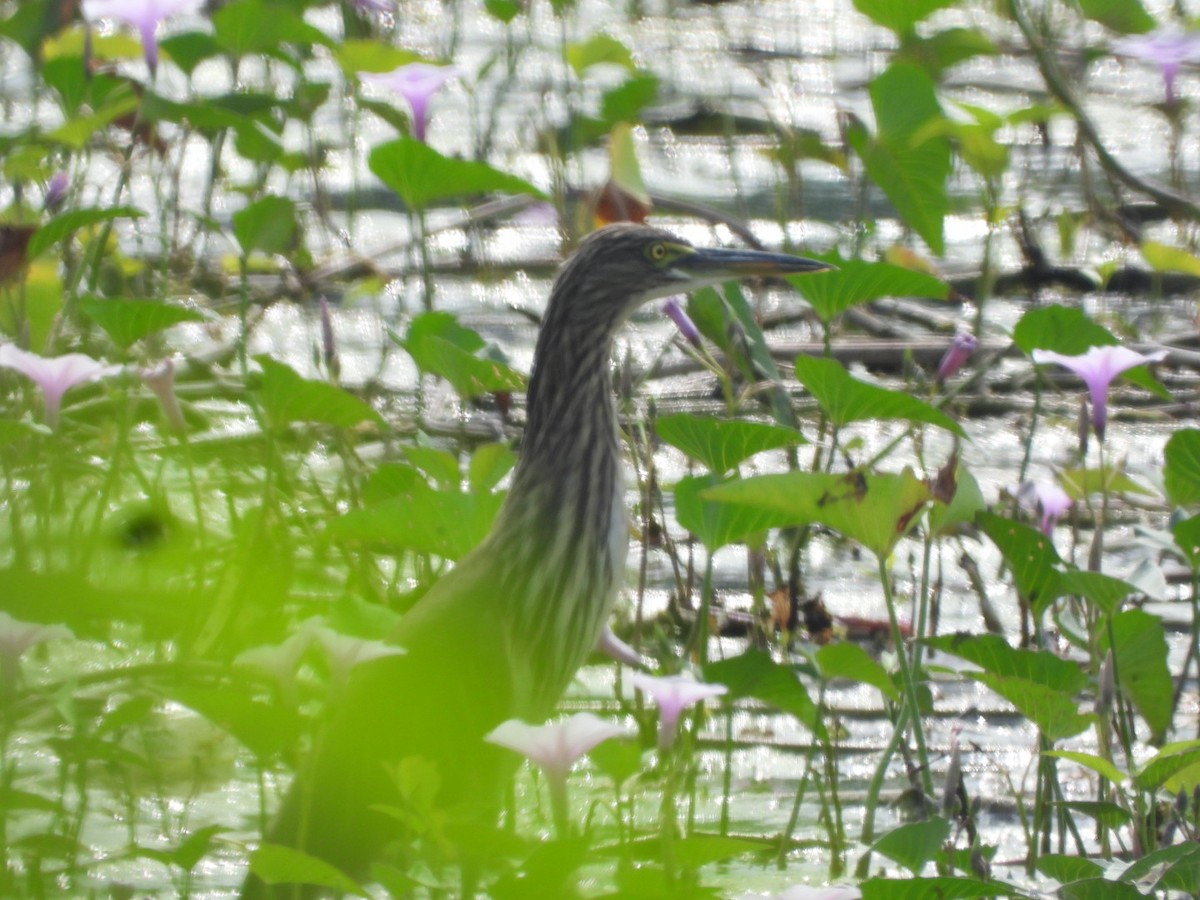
714, 265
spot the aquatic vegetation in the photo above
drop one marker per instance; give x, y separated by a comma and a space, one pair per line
262, 354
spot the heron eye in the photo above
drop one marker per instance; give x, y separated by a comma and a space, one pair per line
658, 252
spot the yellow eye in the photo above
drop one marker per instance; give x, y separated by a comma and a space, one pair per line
658, 252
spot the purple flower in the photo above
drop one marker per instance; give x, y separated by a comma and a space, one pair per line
161, 379
56, 191
1098, 367
344, 652
144, 15
416, 83
16, 637
1167, 48
1047, 500
956, 355
555, 746
672, 695
55, 375
677, 314
616, 649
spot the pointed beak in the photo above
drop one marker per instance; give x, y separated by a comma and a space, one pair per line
713, 265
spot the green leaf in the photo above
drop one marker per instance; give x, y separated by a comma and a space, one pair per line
1099, 889
268, 225
850, 661
939, 888
1163, 258
599, 48
1065, 869
995, 656
1174, 767
1108, 814
440, 465
1181, 470
859, 281
440, 346
195, 846
845, 399
265, 729
189, 48
1105, 591
277, 864
716, 524
66, 224
914, 844
1175, 869
1063, 329
1140, 653
755, 674
287, 397
420, 175
1098, 764
370, 55
875, 509
966, 504
911, 172
488, 466
445, 524
1187, 537
722, 444
255, 26
1030, 554
900, 16
1124, 16
128, 321
1054, 712
1082, 483
625, 102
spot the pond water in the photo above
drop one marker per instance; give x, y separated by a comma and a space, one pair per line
786, 65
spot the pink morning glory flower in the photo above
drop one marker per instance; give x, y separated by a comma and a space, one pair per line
1047, 500
144, 15
16, 637
160, 378
417, 83
677, 314
956, 355
1098, 367
344, 652
56, 191
672, 695
616, 649
555, 746
1167, 48
55, 375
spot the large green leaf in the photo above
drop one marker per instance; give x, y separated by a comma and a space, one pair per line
1124, 16
421, 175
722, 444
440, 346
1063, 329
268, 225
850, 661
287, 397
277, 864
1055, 713
128, 321
914, 844
906, 158
1175, 869
1163, 770
857, 281
935, 888
755, 674
258, 26
1030, 555
845, 399
1181, 470
1105, 591
962, 509
1187, 537
901, 16
65, 224
995, 656
442, 523
875, 509
1140, 652
716, 524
